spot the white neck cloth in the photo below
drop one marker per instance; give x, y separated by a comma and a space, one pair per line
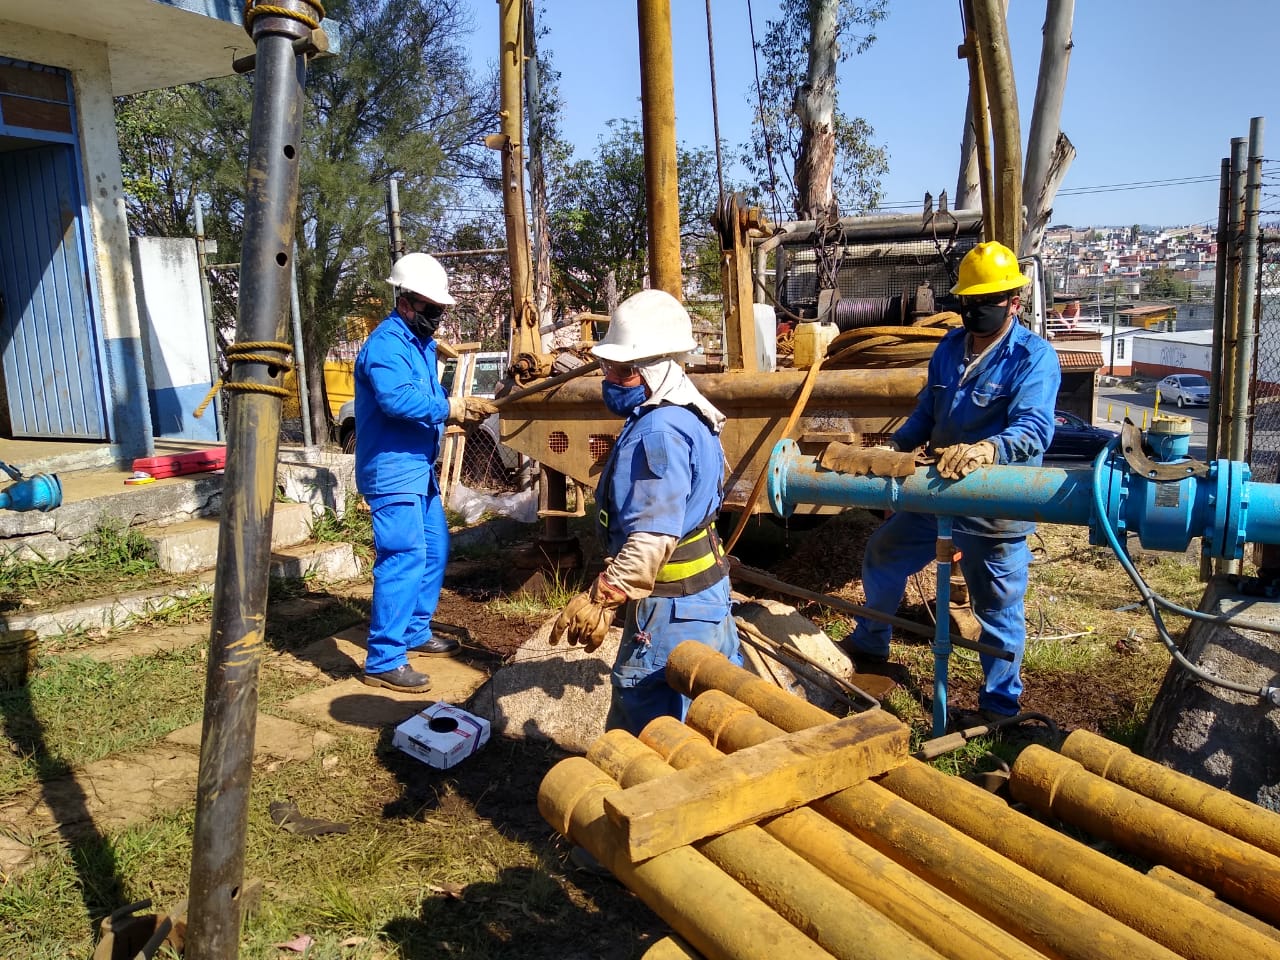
667, 383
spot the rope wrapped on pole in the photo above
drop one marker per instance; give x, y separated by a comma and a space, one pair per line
247, 353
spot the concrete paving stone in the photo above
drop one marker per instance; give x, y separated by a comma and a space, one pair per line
16, 858
146, 643
193, 544
38, 547
355, 707
108, 795
327, 562
275, 738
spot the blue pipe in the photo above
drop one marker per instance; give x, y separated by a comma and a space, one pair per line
942, 626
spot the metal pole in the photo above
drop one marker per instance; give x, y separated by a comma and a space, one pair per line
300, 354
1246, 326
658, 115
1235, 217
393, 219
1219, 288
206, 301
244, 544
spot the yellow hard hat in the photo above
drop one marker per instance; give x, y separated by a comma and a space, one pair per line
989, 267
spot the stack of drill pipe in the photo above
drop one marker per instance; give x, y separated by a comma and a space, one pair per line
1236, 870
1054, 893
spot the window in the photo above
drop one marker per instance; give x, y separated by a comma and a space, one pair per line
1120, 348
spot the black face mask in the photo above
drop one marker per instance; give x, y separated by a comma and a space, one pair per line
984, 319
424, 322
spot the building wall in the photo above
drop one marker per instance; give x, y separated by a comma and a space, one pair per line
111, 277
167, 275
1159, 358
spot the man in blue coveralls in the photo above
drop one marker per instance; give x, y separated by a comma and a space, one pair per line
401, 410
989, 399
658, 497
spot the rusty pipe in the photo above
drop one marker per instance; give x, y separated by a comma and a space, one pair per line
1239, 872
931, 916
1202, 894
658, 116
798, 890
1178, 923
1032, 909
670, 948
1189, 928
1217, 808
676, 885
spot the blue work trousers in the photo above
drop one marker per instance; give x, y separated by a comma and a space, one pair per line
996, 572
654, 627
411, 542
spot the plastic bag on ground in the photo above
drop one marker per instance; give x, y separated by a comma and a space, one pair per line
473, 504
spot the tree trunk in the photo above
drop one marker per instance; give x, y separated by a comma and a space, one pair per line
1006, 134
317, 400
968, 188
1047, 159
815, 107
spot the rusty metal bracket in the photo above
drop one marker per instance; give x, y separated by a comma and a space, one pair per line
1136, 455
314, 44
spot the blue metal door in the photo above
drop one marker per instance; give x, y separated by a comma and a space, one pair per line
52, 370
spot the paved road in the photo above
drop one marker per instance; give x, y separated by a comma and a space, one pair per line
1114, 403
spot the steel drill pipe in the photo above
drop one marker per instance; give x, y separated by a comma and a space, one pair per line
923, 911
1239, 872
671, 948
244, 538
798, 890
1186, 926
1181, 924
1032, 909
1202, 894
1210, 805
677, 885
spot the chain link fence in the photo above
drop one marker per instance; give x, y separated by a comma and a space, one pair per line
1264, 433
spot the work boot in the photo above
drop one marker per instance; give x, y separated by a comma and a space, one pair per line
403, 678
438, 647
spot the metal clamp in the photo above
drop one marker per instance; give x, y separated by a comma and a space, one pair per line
1135, 454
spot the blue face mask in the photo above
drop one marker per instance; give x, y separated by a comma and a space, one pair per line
622, 400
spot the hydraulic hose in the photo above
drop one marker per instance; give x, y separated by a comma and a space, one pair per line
1154, 601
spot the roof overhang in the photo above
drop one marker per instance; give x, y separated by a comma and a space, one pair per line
151, 43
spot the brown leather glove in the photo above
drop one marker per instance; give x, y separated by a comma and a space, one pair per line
587, 617
465, 411
960, 460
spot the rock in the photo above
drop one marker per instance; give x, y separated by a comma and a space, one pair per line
781, 623
557, 693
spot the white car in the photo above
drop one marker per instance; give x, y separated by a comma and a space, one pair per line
1183, 389
486, 461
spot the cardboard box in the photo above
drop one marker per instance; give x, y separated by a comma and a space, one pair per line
441, 735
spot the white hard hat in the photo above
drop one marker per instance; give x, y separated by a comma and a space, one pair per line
651, 323
422, 274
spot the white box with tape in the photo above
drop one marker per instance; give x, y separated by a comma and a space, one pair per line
441, 735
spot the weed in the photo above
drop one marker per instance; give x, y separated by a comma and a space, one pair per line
112, 553
549, 598
354, 527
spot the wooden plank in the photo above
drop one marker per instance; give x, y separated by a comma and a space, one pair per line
762, 781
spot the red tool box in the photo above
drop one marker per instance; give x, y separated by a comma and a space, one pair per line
177, 464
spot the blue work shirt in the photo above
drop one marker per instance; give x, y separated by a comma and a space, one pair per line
400, 411
1007, 397
663, 476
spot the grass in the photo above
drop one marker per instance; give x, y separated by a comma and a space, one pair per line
550, 598
110, 555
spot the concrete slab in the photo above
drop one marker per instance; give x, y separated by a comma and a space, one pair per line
108, 795
275, 738
193, 544
146, 644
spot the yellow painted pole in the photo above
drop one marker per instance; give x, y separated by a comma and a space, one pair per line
908, 900
1217, 808
1110, 419
1202, 894
716, 915
1030, 907
801, 893
1239, 872
658, 116
1188, 927
1184, 925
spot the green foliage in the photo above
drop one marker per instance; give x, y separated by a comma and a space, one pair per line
599, 217
1161, 283
771, 155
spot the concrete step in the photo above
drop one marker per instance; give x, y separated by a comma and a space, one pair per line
193, 544
328, 562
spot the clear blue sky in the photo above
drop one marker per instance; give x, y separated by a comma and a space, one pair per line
1156, 89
